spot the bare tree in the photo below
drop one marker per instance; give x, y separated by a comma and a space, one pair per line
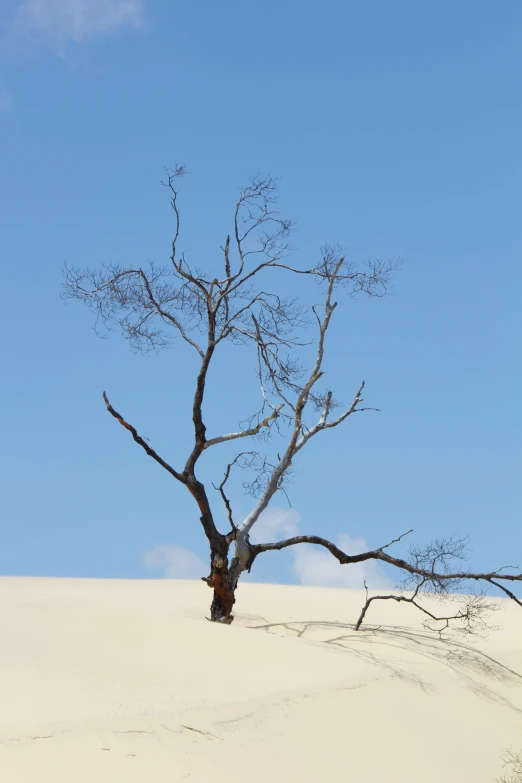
234, 304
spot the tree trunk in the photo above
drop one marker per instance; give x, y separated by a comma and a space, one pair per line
224, 577
224, 585
221, 606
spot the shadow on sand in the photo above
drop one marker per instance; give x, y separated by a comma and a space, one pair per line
483, 674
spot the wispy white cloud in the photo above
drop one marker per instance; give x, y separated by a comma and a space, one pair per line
175, 562
274, 524
61, 21
314, 565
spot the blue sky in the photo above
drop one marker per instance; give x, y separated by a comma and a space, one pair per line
395, 129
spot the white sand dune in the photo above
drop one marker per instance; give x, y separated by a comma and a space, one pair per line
104, 681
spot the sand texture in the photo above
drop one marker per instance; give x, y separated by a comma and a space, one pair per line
104, 681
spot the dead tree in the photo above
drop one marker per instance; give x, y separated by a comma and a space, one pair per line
233, 303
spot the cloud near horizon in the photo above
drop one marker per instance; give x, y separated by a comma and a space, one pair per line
274, 524
175, 562
312, 565
316, 566
62, 21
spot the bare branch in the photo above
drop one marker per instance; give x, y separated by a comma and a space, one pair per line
197, 405
343, 558
245, 433
469, 618
135, 300
226, 501
282, 377
352, 409
142, 442
504, 590
177, 172
263, 469
420, 567
396, 540
255, 211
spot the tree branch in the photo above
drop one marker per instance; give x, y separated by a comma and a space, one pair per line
197, 406
504, 590
244, 433
436, 579
471, 615
332, 267
396, 540
226, 501
142, 442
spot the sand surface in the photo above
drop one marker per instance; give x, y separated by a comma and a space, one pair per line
104, 681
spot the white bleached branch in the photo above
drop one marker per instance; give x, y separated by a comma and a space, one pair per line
245, 433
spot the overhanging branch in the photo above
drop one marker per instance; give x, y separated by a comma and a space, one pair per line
429, 575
